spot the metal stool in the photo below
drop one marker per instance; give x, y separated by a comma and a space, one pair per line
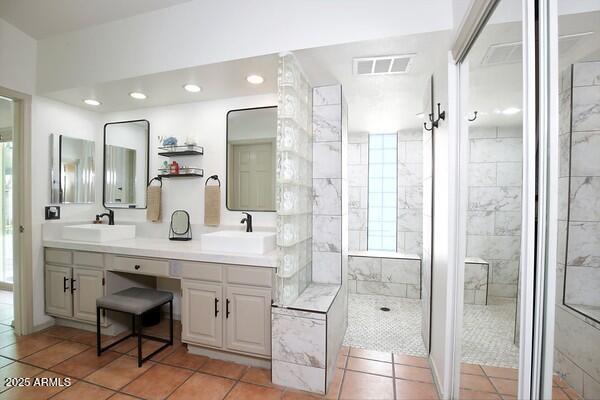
135, 301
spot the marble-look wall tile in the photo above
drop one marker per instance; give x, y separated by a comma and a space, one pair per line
327, 95
364, 268
414, 151
510, 174
401, 270
298, 377
482, 174
582, 286
584, 153
298, 340
381, 288
327, 123
327, 160
327, 196
585, 198
410, 220
586, 74
413, 242
564, 115
583, 244
495, 150
586, 108
502, 290
481, 222
476, 276
494, 247
495, 198
357, 175
327, 233
508, 223
327, 267
564, 148
483, 133
410, 174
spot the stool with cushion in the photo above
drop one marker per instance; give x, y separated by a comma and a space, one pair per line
135, 301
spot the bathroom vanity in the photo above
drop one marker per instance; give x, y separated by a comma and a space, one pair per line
225, 298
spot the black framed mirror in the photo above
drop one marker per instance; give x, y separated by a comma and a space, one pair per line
126, 164
251, 151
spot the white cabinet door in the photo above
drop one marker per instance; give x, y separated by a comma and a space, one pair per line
202, 313
59, 301
88, 287
249, 320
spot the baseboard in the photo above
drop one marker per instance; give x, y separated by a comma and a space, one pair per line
42, 326
226, 356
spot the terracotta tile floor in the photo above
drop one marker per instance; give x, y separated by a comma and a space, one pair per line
480, 382
58, 353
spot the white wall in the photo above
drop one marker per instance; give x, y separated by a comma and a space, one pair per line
17, 59
49, 116
184, 35
207, 122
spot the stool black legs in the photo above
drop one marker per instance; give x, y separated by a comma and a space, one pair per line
136, 322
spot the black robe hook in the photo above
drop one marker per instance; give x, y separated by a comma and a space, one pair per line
474, 117
435, 122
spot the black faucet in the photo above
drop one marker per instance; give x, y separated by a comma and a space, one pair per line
248, 221
110, 214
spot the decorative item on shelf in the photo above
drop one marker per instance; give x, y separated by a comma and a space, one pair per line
180, 228
435, 122
174, 168
212, 202
169, 141
154, 194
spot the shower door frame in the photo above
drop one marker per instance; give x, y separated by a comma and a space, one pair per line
536, 308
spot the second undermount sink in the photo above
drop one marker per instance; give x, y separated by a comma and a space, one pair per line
238, 242
98, 232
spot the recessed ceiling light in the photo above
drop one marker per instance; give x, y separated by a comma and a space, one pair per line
192, 88
91, 102
138, 95
255, 79
511, 111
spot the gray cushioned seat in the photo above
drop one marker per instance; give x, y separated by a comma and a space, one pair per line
134, 300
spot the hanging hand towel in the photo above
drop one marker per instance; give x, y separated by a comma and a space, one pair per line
212, 202
154, 200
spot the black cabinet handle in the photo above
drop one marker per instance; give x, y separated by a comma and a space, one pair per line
73, 285
227, 309
65, 288
136, 266
216, 306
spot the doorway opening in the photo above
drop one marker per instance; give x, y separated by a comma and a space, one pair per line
7, 118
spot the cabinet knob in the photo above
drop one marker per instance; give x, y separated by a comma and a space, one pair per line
136, 266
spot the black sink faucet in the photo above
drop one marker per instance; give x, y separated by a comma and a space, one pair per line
110, 214
248, 221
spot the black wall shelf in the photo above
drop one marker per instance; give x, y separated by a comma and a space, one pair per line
194, 175
175, 151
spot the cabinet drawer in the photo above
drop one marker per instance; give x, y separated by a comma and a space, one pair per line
202, 271
88, 259
141, 266
250, 276
55, 256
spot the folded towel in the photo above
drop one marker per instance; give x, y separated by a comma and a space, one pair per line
212, 205
154, 198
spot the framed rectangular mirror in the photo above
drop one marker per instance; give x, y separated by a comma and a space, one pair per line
73, 169
126, 164
251, 149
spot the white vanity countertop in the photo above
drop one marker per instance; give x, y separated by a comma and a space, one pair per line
164, 248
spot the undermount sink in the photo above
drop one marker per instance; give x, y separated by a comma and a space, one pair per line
98, 232
238, 242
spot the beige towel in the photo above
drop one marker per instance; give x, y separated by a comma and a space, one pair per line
212, 205
153, 211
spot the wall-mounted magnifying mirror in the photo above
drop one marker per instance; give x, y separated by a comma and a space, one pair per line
126, 147
73, 170
251, 159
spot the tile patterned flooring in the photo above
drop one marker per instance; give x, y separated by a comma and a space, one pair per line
60, 352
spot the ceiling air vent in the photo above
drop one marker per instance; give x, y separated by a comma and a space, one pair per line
383, 65
506, 53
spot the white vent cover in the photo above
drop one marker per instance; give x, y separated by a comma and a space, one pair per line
383, 65
506, 53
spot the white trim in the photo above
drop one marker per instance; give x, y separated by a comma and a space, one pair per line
473, 22
528, 207
548, 115
461, 127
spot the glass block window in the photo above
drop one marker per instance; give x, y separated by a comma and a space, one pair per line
383, 188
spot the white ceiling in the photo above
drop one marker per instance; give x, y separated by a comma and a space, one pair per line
44, 18
384, 103
218, 81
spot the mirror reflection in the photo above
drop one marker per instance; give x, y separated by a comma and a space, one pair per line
126, 164
251, 159
73, 170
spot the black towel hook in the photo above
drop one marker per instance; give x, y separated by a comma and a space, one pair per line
156, 178
474, 117
435, 122
215, 177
